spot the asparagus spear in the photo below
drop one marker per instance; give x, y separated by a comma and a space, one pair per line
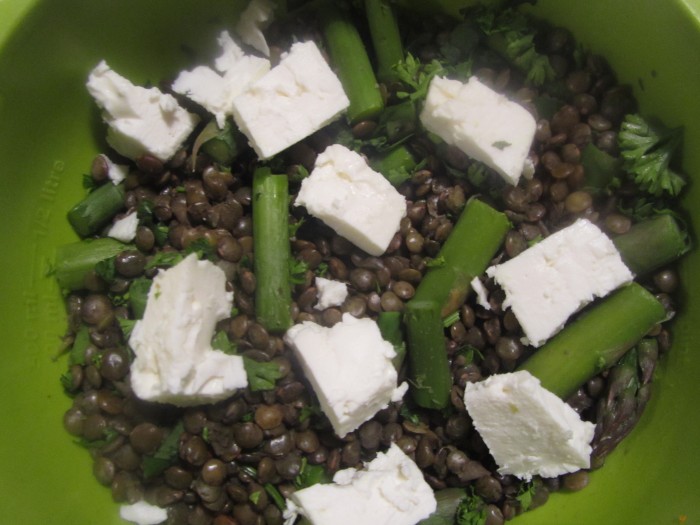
428, 367
273, 296
476, 236
386, 38
73, 261
629, 388
596, 340
389, 324
650, 244
349, 56
397, 165
95, 210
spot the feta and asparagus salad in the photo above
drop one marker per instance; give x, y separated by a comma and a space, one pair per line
368, 265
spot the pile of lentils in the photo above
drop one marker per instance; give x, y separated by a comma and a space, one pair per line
229, 454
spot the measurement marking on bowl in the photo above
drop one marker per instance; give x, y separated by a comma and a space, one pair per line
40, 304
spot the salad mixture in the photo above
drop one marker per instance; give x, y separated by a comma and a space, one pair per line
365, 265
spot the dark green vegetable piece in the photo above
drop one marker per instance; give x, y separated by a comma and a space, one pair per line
261, 375
629, 389
273, 295
386, 38
397, 165
165, 456
391, 328
650, 244
647, 150
429, 371
600, 167
349, 56
447, 502
73, 261
95, 210
596, 340
138, 296
474, 240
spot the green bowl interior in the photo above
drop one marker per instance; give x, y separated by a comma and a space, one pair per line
50, 130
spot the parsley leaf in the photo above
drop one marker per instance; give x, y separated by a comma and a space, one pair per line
126, 325
647, 149
310, 475
471, 511
261, 375
165, 456
224, 344
202, 248
416, 76
297, 271
525, 495
164, 260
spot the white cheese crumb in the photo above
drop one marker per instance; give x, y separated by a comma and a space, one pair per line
140, 120
295, 99
528, 430
390, 490
349, 367
556, 277
353, 199
124, 229
253, 21
142, 513
116, 172
175, 362
482, 296
215, 90
330, 293
482, 123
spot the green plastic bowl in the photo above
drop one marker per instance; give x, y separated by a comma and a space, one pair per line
49, 133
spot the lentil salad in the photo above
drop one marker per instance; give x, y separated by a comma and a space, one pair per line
228, 453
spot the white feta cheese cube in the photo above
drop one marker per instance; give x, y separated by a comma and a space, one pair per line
482, 123
295, 99
115, 172
390, 490
215, 91
175, 362
330, 293
528, 430
124, 229
253, 21
142, 513
550, 281
353, 199
349, 367
139, 120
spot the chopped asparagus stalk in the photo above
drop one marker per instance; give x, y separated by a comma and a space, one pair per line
428, 367
273, 296
474, 240
95, 210
596, 340
390, 326
650, 244
349, 57
73, 261
386, 38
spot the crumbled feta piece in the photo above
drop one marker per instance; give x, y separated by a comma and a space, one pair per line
124, 229
330, 293
115, 172
528, 430
295, 99
349, 367
353, 199
175, 362
215, 90
550, 281
142, 513
482, 296
390, 490
482, 123
253, 21
140, 120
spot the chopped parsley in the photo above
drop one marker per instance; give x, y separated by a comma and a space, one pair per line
165, 456
647, 150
